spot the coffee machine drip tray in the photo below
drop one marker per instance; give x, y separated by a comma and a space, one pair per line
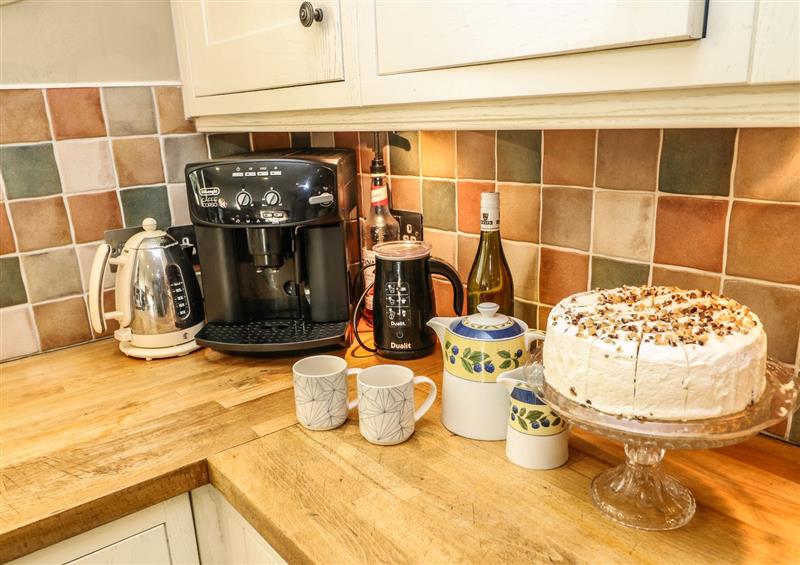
276, 335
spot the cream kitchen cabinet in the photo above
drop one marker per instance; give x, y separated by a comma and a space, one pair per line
443, 64
160, 534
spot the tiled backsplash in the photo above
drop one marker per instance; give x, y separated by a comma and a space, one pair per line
74, 163
717, 209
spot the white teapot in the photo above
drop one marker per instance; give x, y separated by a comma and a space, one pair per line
476, 349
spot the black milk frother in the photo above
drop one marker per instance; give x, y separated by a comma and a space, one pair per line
404, 300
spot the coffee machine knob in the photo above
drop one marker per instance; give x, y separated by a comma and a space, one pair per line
243, 198
272, 198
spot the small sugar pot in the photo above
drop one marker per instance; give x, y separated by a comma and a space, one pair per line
537, 436
476, 350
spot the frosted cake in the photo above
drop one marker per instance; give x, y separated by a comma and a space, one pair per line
656, 352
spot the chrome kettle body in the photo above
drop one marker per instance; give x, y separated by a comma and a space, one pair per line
159, 305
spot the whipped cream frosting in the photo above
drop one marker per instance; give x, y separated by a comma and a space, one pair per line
656, 352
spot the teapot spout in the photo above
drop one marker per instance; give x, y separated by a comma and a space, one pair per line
439, 325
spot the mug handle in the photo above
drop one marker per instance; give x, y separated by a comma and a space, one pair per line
353, 403
428, 401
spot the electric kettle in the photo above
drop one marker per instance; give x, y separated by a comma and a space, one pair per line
404, 299
159, 306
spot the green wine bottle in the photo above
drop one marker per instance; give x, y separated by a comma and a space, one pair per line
490, 278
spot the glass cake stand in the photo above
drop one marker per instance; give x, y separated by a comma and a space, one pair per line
638, 493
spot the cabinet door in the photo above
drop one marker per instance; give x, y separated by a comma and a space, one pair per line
162, 534
224, 536
247, 45
451, 34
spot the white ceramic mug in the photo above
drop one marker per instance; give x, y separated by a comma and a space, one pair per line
320, 391
386, 414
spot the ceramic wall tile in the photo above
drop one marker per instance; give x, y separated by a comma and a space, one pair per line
569, 157
566, 217
764, 242
697, 161
179, 204
301, 139
86, 255
52, 274
444, 243
519, 211
403, 153
611, 273
29, 170
17, 333
23, 116
443, 293
523, 260
768, 164
438, 149
690, 232
779, 311
439, 204
265, 140
7, 244
76, 112
349, 140
169, 105
627, 159
519, 156
228, 144
475, 154
93, 214
526, 312
467, 250
469, 204
146, 202
623, 224
561, 273
322, 139
182, 150
40, 223
130, 111
86, 165
138, 161
543, 314
406, 193
63, 322
12, 288
666, 276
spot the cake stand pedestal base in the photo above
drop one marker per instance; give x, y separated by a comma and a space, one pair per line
639, 494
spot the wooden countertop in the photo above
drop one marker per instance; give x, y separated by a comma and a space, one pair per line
88, 435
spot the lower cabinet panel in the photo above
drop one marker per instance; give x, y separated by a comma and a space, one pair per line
224, 536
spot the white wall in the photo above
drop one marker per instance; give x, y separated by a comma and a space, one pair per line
86, 41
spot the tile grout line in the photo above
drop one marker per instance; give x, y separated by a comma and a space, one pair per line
541, 218
655, 205
592, 219
163, 151
729, 213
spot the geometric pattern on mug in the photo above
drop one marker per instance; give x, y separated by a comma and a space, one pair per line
386, 414
321, 402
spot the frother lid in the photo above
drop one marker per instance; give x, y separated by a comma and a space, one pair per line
402, 250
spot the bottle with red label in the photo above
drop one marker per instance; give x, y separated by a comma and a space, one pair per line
380, 225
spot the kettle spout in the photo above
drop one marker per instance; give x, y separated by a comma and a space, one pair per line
439, 325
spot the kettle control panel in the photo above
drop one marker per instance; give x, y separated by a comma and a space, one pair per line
262, 192
177, 290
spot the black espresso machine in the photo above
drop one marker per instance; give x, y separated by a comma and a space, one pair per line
278, 243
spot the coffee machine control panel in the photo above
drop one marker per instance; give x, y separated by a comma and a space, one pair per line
262, 192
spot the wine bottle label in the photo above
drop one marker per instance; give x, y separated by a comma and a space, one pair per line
379, 195
490, 217
368, 258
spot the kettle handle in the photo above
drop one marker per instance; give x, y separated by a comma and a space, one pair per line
96, 313
443, 268
356, 312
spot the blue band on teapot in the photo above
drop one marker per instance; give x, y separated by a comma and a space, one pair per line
463, 330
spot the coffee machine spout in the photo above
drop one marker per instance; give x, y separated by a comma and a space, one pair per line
266, 247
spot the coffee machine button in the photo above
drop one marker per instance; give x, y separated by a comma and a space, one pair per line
243, 198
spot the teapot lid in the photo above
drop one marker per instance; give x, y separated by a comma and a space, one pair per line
488, 323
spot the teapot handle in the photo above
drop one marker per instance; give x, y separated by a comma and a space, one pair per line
439, 267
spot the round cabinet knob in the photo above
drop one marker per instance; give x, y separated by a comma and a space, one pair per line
309, 15
272, 198
243, 198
